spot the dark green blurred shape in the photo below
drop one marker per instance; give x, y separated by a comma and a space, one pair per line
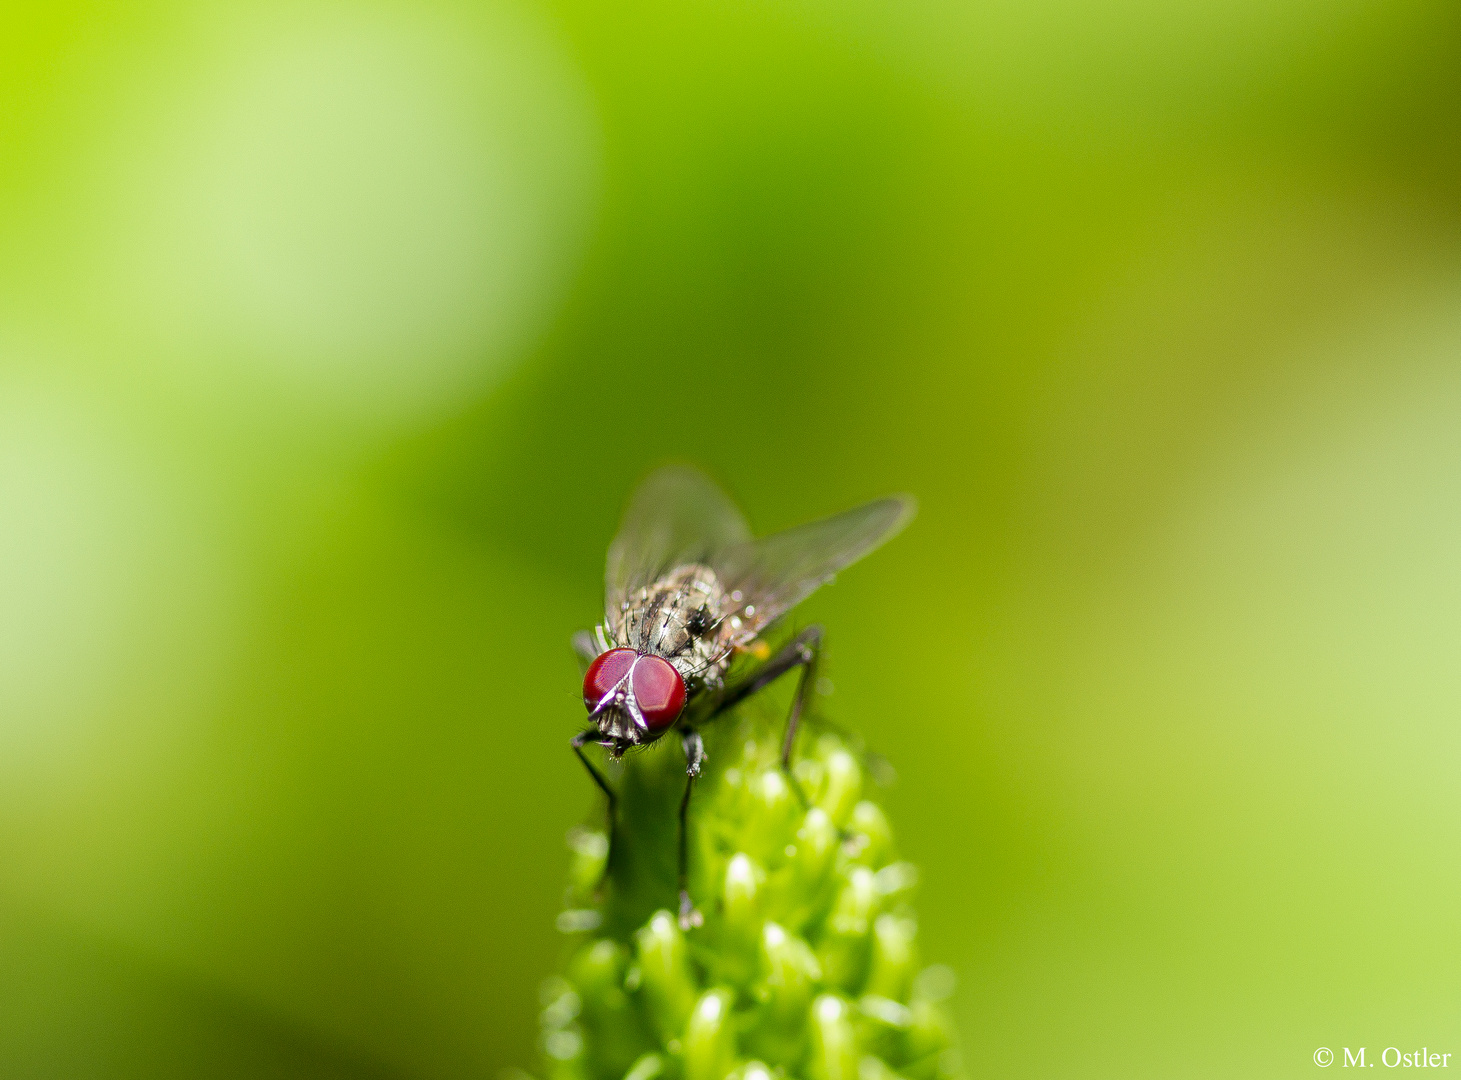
77, 1006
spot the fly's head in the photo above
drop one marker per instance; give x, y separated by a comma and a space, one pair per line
633, 697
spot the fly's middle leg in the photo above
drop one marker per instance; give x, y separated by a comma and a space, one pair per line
578, 742
694, 759
802, 651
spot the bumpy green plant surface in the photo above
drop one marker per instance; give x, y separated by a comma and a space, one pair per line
807, 963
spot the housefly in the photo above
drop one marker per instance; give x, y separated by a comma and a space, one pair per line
688, 591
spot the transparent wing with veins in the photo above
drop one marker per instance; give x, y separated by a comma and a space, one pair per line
679, 518
765, 578
676, 518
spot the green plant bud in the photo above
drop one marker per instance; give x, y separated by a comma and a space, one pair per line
857, 903
872, 1067
735, 955
562, 1037
565, 1045
741, 895
561, 1004
709, 1043
816, 847
791, 972
597, 971
872, 834
882, 1027
606, 1019
835, 1054
754, 1070
896, 882
929, 1045
935, 983
648, 1067
664, 979
846, 948
589, 852
811, 778
929, 1031
772, 809
844, 786
731, 797
895, 957
885, 1011
572, 1068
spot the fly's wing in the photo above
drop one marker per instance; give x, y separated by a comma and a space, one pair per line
676, 517
585, 649
776, 573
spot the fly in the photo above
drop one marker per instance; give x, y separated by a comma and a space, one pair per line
687, 589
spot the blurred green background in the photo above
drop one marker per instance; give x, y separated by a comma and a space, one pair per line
333, 336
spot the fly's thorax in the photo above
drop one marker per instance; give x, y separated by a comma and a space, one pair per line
681, 618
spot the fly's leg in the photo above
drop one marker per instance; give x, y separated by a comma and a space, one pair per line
694, 759
802, 651
578, 742
806, 650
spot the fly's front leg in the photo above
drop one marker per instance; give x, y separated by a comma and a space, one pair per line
802, 651
578, 742
694, 759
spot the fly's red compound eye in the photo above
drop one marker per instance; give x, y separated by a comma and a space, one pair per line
605, 673
659, 690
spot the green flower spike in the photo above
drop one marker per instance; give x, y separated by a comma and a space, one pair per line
807, 964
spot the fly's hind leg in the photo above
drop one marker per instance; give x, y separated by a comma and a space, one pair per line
578, 742
802, 651
694, 759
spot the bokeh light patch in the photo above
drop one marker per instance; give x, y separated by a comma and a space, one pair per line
368, 209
